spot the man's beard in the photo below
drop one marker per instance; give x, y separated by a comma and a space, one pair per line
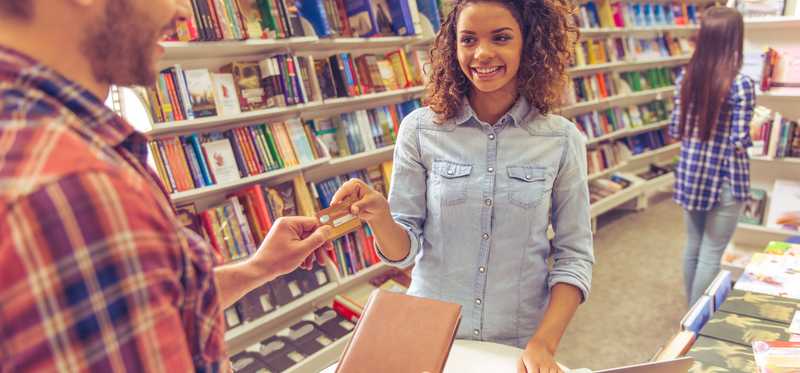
120, 46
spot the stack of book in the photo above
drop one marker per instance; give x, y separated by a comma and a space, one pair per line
605, 187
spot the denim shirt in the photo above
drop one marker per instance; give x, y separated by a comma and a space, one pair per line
476, 200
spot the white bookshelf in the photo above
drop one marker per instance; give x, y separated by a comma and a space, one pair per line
182, 51
629, 65
627, 132
771, 23
308, 110
239, 338
274, 177
618, 100
604, 32
323, 358
615, 200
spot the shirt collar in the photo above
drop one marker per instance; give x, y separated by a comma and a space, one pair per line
97, 121
516, 114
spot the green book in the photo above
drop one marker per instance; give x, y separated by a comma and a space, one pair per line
272, 148
267, 19
725, 356
753, 212
743, 330
761, 306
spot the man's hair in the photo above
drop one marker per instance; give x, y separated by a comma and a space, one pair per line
22, 9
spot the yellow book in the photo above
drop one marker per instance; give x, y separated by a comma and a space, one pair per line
606, 14
400, 67
387, 74
580, 54
592, 56
601, 51
303, 196
386, 167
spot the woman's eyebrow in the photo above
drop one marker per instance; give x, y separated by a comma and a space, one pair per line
493, 31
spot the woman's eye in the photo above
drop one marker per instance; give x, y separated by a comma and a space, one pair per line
502, 38
467, 40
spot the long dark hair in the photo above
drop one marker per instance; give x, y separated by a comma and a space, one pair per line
549, 37
714, 65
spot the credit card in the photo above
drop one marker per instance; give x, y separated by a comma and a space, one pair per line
340, 219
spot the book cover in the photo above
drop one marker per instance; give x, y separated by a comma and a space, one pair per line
785, 199
222, 161
753, 211
743, 330
225, 92
761, 306
281, 200
361, 17
248, 83
726, 356
201, 92
431, 21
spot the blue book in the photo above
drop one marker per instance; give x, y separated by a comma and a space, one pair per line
698, 315
237, 153
314, 12
201, 160
594, 18
638, 19
402, 24
361, 17
349, 80
194, 169
691, 13
429, 12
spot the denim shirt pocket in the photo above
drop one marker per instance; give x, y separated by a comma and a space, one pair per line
452, 181
526, 185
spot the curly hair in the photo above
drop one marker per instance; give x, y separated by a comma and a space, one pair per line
549, 36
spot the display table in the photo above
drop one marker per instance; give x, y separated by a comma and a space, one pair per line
476, 357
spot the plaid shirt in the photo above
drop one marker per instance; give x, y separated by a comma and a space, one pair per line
704, 165
96, 275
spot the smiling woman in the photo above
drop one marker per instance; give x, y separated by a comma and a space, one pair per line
482, 171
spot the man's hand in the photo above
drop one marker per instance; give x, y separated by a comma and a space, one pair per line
537, 358
290, 243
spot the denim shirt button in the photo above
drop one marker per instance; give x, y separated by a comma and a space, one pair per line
491, 136
476, 332
477, 300
488, 202
481, 269
486, 236
490, 169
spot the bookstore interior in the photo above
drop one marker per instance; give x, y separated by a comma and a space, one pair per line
263, 109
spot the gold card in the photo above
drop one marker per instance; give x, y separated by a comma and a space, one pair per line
340, 219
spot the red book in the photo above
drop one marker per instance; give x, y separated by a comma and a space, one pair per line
208, 225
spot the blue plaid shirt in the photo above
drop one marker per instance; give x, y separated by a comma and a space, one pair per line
705, 165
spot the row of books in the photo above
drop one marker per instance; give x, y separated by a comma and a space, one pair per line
606, 156
599, 123
629, 48
603, 85
773, 135
213, 20
312, 332
605, 14
277, 81
774, 67
196, 161
605, 187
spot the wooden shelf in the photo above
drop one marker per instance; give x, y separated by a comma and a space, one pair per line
618, 100
607, 171
657, 183
338, 166
779, 234
772, 22
357, 44
282, 174
628, 132
275, 114
628, 65
591, 32
779, 94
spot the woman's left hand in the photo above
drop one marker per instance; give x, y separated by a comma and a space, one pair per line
537, 358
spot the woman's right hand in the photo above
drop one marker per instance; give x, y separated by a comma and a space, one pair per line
368, 204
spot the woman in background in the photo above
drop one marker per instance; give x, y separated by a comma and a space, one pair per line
713, 108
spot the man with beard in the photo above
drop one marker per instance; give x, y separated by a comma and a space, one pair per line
96, 273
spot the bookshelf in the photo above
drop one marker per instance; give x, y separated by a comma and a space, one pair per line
595, 32
618, 100
628, 132
629, 65
771, 23
321, 108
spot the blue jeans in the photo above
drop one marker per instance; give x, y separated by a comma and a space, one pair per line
708, 233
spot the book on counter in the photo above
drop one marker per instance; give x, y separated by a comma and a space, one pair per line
713, 355
761, 306
743, 330
402, 319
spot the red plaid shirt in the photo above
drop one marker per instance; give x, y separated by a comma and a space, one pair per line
96, 273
